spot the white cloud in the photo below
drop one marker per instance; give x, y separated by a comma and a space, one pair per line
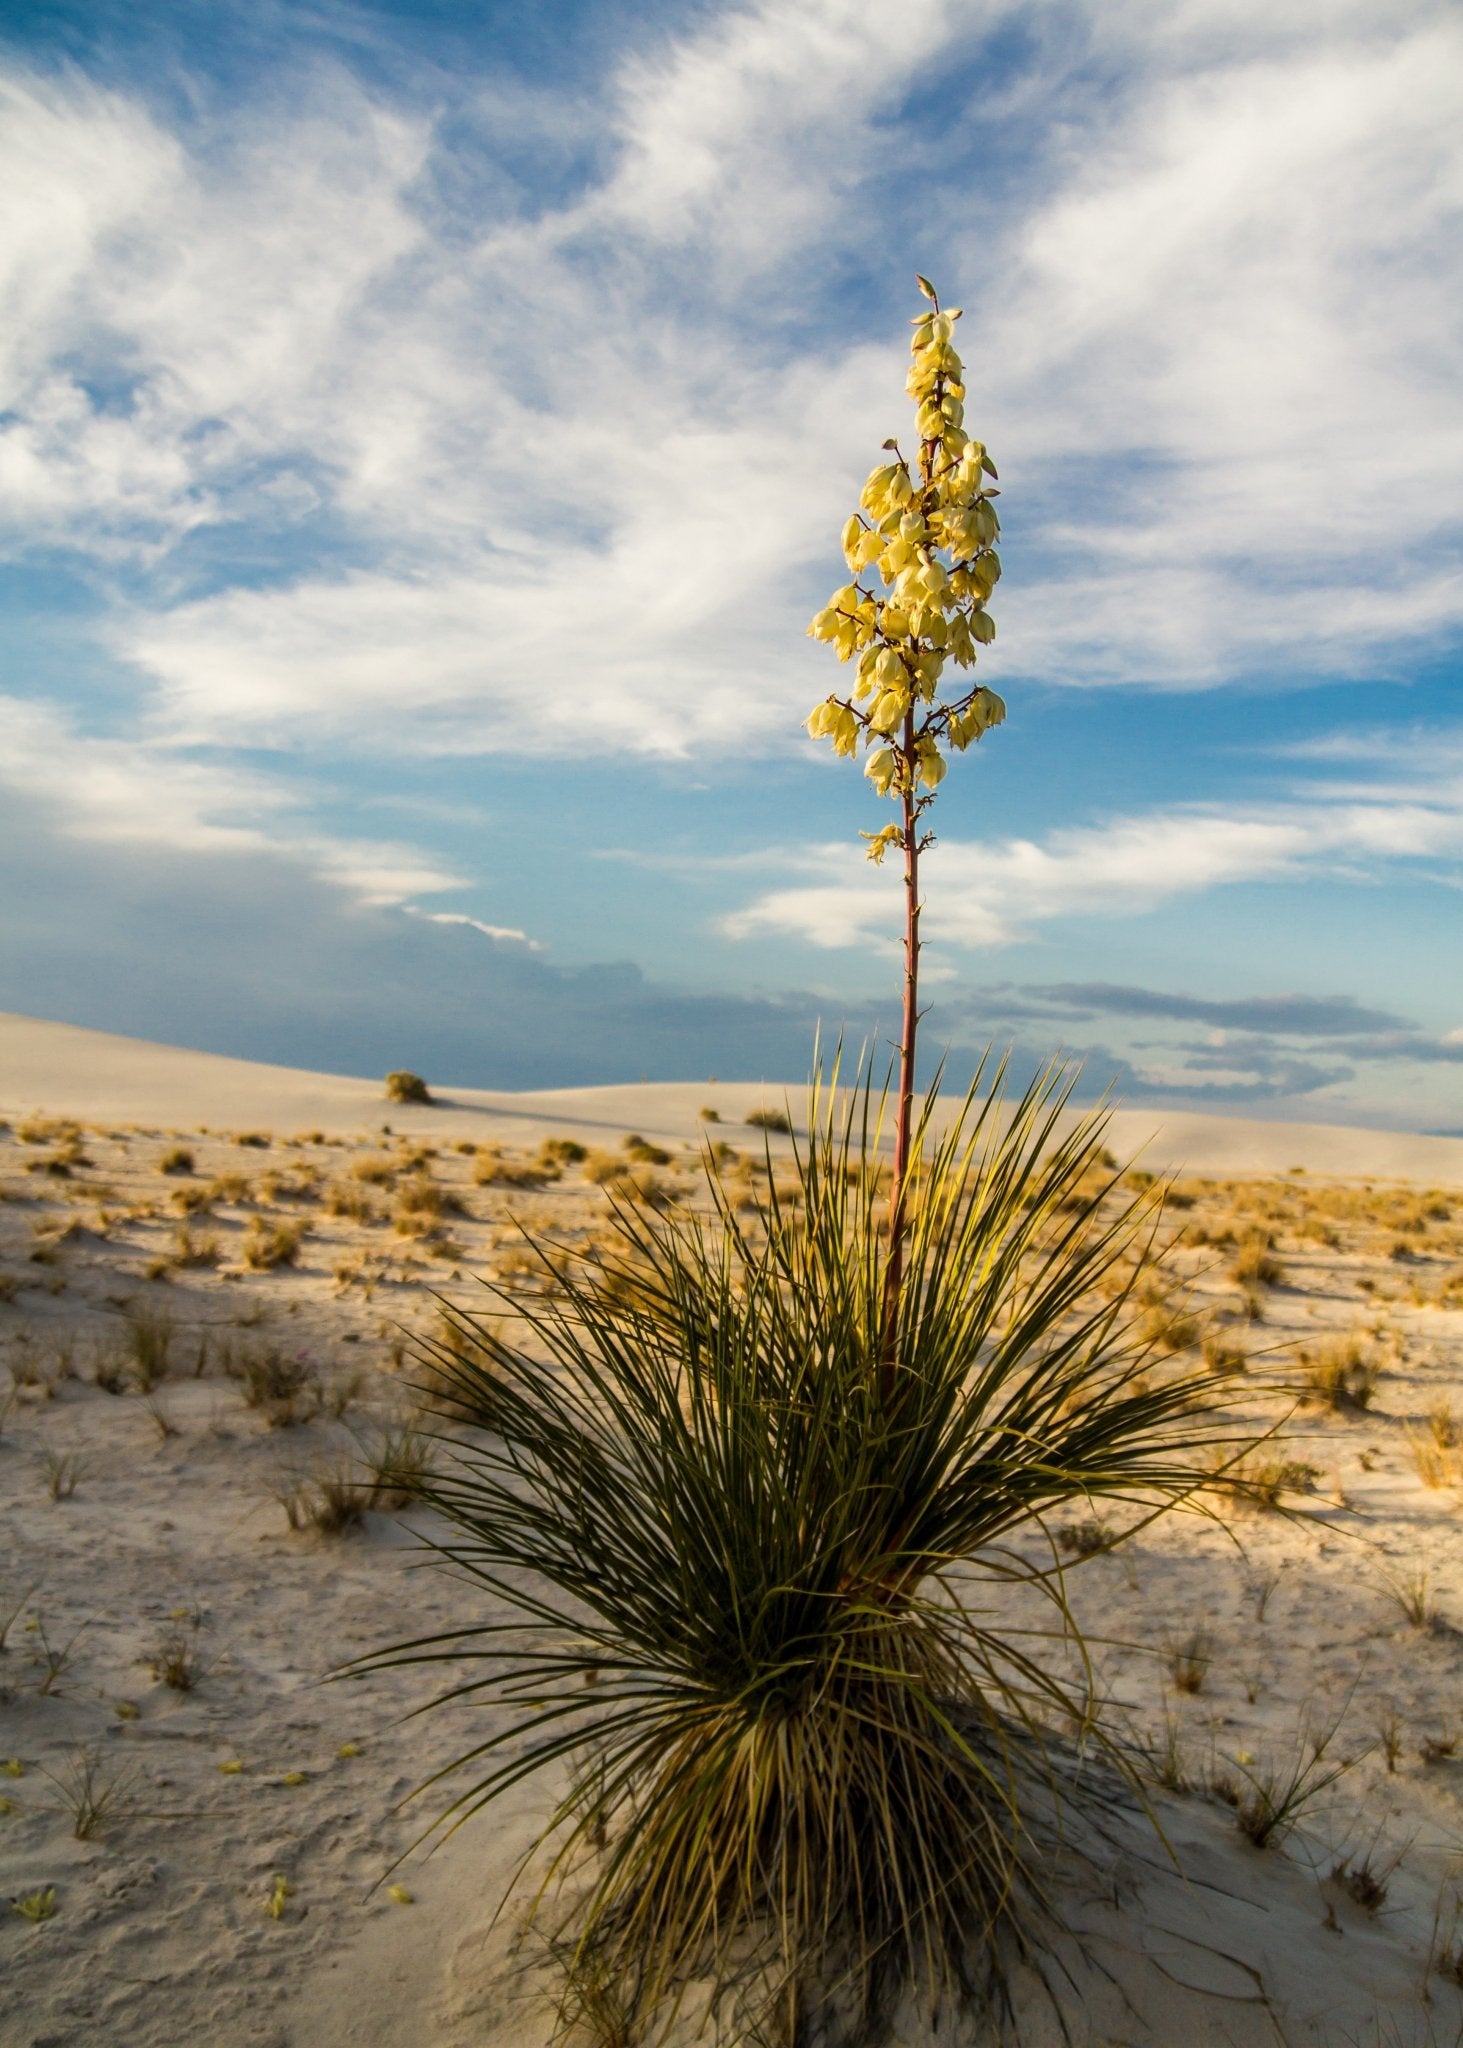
561, 476
991, 895
500, 934
123, 793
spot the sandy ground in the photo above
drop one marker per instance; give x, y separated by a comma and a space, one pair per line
149, 1464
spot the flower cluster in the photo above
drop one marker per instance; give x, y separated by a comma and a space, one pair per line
929, 530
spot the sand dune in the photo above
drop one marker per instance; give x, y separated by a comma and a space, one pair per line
101, 1075
172, 1391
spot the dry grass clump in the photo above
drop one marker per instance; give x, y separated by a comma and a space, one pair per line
1262, 1478
258, 1141
1270, 1800
149, 1338
422, 1197
329, 1497
232, 1189
90, 1789
1189, 1661
563, 1152
352, 1202
301, 1186
643, 1152
176, 1658
1341, 1375
1169, 1323
375, 1170
769, 1120
1224, 1354
398, 1465
268, 1245
1086, 1538
286, 1389
48, 1130
178, 1159
492, 1168
1254, 1263
403, 1086
189, 1251
603, 1169
64, 1472
1438, 1456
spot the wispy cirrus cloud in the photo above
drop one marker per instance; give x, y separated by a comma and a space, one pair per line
534, 455
993, 894
118, 793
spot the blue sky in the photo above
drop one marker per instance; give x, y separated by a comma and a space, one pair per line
425, 432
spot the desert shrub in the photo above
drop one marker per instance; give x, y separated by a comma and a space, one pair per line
177, 1160
1341, 1375
715, 1495
258, 1141
1085, 1538
375, 1170
603, 1169
492, 1169
1255, 1263
404, 1087
643, 1152
563, 1152
770, 1120
342, 1199
190, 1251
425, 1197
267, 1245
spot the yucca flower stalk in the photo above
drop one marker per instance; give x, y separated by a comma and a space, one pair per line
928, 527
816, 1754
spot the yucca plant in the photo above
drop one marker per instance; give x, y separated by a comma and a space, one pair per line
814, 1756
753, 1493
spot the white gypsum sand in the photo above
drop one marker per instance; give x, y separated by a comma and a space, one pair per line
159, 1426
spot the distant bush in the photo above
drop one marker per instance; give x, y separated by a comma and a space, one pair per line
770, 1120
405, 1087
